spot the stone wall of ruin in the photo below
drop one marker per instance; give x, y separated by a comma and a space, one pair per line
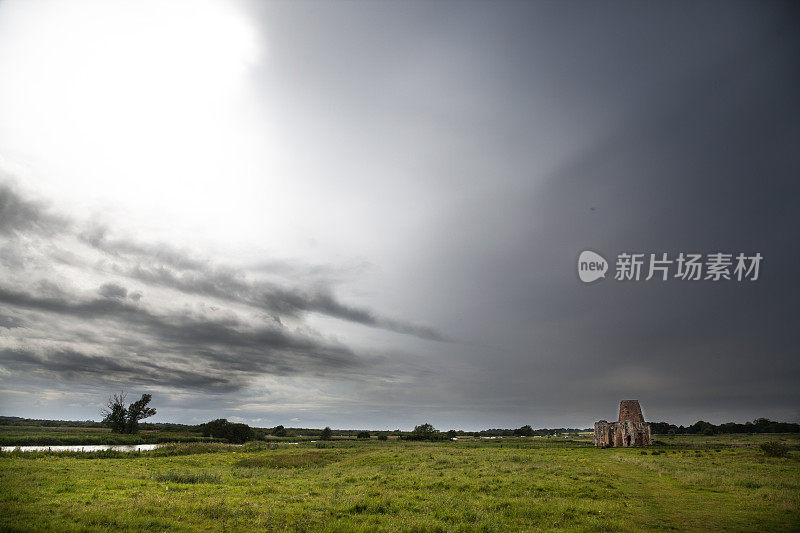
630, 430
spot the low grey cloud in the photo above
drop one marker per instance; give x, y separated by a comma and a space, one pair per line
112, 290
19, 215
224, 342
167, 266
183, 274
113, 334
74, 366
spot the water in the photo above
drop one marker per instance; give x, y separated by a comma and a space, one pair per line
84, 448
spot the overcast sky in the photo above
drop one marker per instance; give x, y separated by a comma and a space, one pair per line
368, 215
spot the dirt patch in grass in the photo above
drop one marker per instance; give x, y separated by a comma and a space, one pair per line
294, 460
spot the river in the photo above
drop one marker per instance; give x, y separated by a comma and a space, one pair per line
84, 448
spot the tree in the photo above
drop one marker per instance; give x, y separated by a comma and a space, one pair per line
279, 431
215, 429
222, 429
363, 435
239, 433
115, 413
326, 433
524, 431
424, 432
123, 419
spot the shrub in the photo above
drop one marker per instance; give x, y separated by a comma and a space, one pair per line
222, 429
424, 432
363, 435
774, 449
382, 437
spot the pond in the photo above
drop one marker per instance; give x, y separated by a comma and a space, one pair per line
84, 448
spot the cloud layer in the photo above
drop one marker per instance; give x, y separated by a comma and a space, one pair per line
188, 324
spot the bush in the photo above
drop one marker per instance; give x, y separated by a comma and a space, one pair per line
774, 449
363, 435
424, 432
222, 429
382, 437
239, 433
326, 434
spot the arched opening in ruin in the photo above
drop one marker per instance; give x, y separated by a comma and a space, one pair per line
627, 440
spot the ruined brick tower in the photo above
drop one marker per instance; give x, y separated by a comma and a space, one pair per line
629, 430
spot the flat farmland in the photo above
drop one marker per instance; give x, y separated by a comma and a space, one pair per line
722, 483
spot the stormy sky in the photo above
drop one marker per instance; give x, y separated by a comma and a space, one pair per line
369, 214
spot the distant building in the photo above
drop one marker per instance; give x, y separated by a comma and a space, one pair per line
629, 430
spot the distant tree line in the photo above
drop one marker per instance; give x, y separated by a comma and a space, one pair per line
524, 431
235, 432
759, 425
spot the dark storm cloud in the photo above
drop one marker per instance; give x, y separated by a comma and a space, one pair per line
8, 321
112, 290
705, 163
131, 342
71, 365
231, 285
187, 331
165, 265
163, 253
185, 350
18, 215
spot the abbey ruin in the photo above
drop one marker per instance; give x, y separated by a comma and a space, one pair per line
629, 430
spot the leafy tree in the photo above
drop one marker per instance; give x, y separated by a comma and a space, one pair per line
123, 419
222, 429
383, 437
424, 432
451, 434
238, 433
116, 414
215, 428
363, 435
326, 434
279, 431
524, 431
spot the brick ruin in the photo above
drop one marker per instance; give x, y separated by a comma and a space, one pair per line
629, 430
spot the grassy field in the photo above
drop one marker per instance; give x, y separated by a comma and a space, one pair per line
695, 483
38, 435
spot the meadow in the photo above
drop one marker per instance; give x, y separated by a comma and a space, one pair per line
65, 435
695, 483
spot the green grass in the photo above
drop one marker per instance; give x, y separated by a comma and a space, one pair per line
694, 484
53, 436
